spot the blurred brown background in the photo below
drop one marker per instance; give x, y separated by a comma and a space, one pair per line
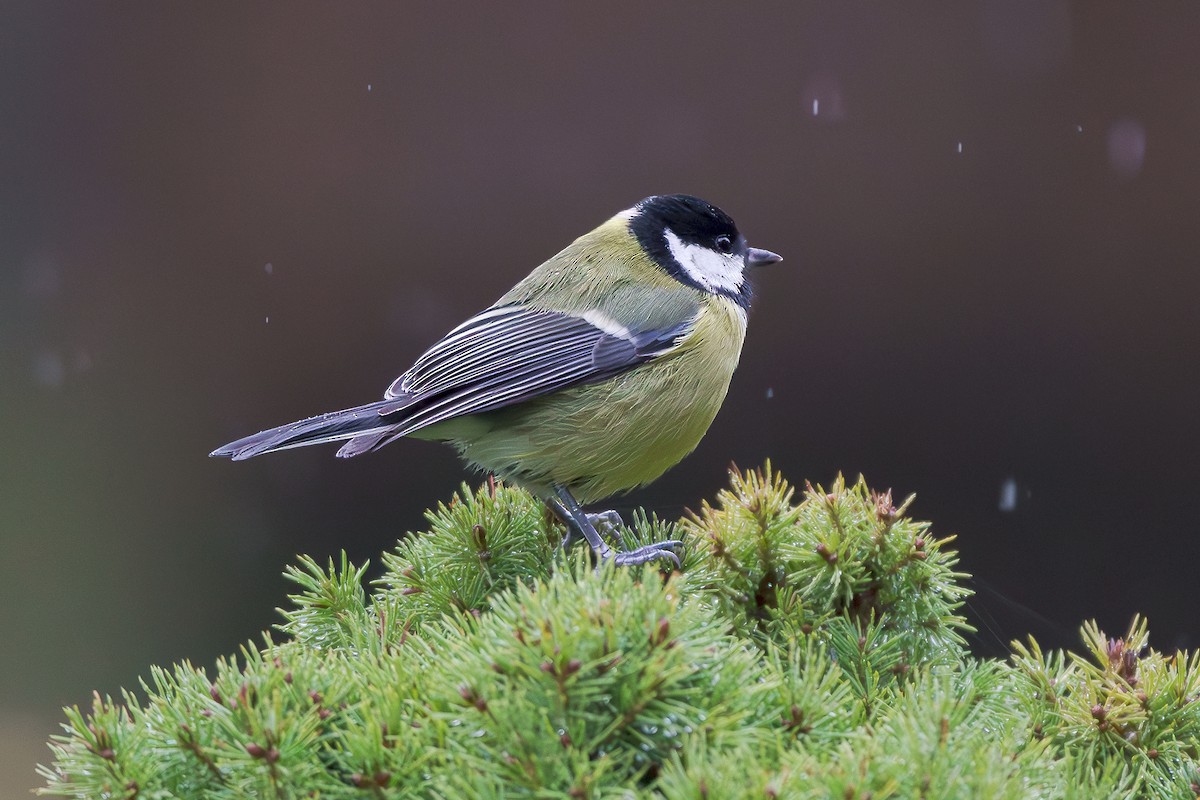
219, 217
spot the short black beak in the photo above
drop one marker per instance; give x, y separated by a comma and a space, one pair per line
761, 258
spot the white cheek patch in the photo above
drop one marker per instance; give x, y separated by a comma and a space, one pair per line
708, 268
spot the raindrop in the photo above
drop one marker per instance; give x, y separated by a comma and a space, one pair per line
770, 392
269, 268
960, 147
1008, 495
266, 320
1126, 147
368, 87
824, 92
1079, 129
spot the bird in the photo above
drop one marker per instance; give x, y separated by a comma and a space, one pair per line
593, 375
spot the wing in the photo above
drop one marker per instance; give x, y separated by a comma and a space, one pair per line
510, 354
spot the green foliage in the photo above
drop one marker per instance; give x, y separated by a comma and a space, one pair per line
778, 569
807, 649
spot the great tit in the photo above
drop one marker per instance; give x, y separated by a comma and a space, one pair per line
593, 375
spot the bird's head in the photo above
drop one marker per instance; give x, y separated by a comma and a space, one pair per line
696, 243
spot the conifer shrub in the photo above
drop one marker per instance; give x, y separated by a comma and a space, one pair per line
808, 648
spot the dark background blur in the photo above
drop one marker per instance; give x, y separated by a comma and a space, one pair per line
218, 218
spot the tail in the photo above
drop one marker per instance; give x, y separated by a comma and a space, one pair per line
335, 426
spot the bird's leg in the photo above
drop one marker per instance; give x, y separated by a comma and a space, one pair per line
606, 523
581, 524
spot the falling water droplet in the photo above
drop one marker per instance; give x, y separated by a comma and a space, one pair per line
1126, 147
1008, 494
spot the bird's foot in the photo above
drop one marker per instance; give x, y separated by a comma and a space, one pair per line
607, 523
645, 554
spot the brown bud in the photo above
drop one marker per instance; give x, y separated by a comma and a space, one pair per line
256, 750
407, 590
662, 631
479, 539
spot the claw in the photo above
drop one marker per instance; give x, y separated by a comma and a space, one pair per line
650, 552
608, 524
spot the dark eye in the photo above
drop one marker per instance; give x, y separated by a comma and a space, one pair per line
724, 244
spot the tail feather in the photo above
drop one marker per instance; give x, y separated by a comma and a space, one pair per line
365, 442
362, 421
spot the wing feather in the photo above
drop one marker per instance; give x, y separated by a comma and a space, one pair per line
511, 354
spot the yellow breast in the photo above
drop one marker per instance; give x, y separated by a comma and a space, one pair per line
603, 438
